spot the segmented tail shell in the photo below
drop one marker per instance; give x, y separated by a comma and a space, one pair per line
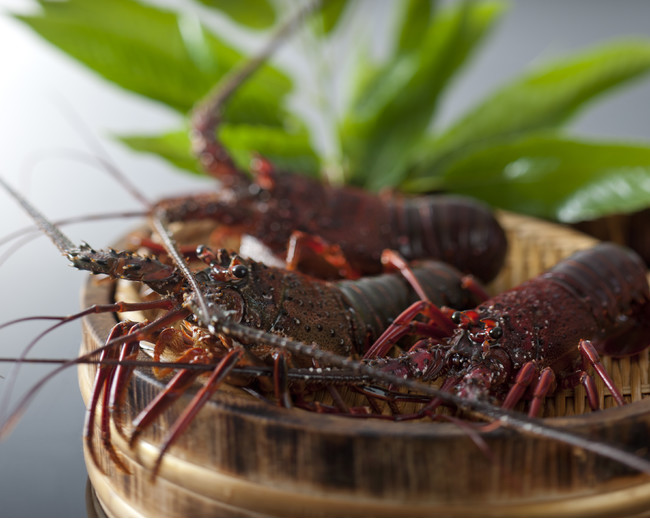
611, 280
377, 300
454, 229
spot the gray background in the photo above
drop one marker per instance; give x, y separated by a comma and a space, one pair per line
42, 470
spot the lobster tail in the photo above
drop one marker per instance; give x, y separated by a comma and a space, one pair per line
377, 300
453, 229
611, 280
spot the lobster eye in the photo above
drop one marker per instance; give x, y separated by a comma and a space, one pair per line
239, 271
456, 317
495, 332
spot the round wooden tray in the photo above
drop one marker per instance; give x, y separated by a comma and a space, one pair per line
241, 457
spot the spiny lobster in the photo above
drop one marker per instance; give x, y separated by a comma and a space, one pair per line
525, 338
343, 317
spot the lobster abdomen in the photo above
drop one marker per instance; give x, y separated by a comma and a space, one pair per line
377, 301
611, 281
454, 229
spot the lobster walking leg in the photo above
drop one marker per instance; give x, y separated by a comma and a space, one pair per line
280, 381
111, 381
102, 383
173, 391
529, 375
440, 325
302, 246
219, 373
592, 358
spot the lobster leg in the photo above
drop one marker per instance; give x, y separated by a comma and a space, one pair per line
591, 357
103, 378
471, 283
301, 245
172, 392
169, 338
440, 325
523, 380
430, 408
200, 398
391, 259
280, 380
119, 383
544, 386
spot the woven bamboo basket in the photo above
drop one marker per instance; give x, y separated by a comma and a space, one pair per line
241, 457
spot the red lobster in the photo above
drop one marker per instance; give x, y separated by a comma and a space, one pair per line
526, 337
295, 216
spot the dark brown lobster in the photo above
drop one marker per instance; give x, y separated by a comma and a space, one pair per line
523, 339
343, 317
296, 216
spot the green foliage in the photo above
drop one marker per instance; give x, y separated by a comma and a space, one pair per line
508, 150
543, 99
554, 177
256, 14
147, 51
396, 101
329, 16
289, 151
172, 146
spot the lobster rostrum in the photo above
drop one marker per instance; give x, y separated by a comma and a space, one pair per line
548, 328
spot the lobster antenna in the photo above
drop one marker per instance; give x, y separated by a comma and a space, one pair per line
101, 155
32, 232
8, 423
236, 76
510, 419
62, 242
160, 225
206, 116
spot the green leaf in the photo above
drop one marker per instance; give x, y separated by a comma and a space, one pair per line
555, 178
256, 14
287, 150
413, 28
158, 54
542, 99
396, 102
328, 16
173, 147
